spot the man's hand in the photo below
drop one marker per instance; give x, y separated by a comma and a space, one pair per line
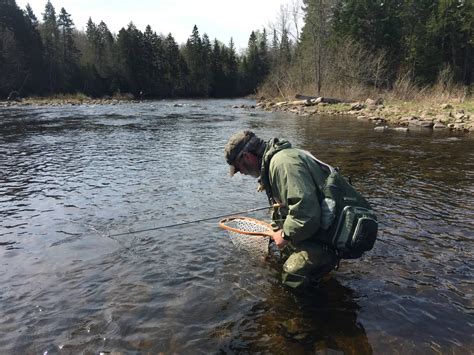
277, 237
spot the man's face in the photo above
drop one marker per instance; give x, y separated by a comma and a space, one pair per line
247, 163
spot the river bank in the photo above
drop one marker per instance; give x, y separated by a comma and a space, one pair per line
396, 115
61, 101
386, 115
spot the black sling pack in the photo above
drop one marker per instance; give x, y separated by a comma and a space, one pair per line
348, 222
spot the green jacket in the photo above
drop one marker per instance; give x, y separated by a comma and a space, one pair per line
291, 177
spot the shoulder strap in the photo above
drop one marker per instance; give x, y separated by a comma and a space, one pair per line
321, 163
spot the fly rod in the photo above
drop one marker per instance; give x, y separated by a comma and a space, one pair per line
194, 221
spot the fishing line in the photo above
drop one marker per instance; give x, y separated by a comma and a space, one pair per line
194, 221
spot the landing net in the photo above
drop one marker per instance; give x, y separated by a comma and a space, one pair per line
248, 234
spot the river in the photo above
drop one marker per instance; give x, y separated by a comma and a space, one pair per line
74, 179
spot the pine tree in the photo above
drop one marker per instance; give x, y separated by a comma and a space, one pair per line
264, 55
31, 16
196, 54
231, 70
176, 70
50, 36
68, 53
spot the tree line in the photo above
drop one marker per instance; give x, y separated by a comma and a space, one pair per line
51, 56
342, 46
378, 44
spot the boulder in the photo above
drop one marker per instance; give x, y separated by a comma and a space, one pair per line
357, 106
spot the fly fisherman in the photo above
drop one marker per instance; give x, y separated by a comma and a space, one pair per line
290, 177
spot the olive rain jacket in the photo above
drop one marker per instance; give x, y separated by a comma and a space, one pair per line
291, 178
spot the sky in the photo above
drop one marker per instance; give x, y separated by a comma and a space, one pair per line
221, 19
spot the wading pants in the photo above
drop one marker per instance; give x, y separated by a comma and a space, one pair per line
306, 263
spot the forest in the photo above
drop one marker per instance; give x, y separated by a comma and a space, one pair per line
339, 47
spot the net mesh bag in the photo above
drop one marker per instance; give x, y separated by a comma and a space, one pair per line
248, 234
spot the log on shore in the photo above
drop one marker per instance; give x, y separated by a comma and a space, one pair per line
326, 100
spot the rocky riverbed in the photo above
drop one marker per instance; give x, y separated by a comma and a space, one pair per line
397, 116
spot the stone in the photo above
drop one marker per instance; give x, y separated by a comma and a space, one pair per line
426, 124
357, 106
414, 122
442, 118
408, 118
401, 129
439, 125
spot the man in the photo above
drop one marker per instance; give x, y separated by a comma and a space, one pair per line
290, 177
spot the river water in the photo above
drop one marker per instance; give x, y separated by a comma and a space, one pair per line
73, 177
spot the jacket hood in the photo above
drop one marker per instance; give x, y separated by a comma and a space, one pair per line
274, 145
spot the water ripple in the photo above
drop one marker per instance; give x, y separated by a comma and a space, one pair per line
73, 179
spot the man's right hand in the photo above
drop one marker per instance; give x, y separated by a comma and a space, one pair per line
277, 237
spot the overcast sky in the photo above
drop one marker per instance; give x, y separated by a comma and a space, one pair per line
221, 19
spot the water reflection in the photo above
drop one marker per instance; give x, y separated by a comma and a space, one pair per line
324, 318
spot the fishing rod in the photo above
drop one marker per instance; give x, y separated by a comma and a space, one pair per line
194, 221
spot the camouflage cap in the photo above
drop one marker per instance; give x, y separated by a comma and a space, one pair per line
235, 146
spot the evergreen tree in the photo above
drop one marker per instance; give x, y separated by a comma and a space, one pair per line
68, 53
451, 25
50, 35
33, 54
264, 55
231, 70
31, 16
196, 54
20, 50
130, 43
154, 62
252, 63
176, 70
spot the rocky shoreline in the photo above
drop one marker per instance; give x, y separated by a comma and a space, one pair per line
385, 116
398, 116
65, 101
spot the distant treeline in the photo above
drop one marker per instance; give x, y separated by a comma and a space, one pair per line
343, 44
374, 44
51, 57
